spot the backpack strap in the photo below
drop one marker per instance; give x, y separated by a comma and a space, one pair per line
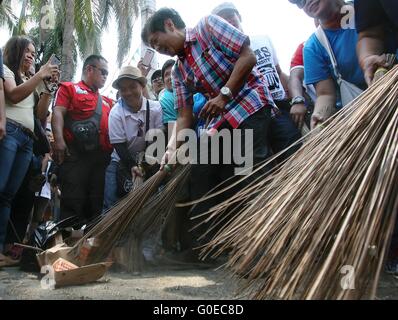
148, 111
322, 38
98, 112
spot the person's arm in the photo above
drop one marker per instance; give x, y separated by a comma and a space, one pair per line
370, 49
325, 104
57, 124
2, 112
284, 80
42, 106
297, 111
16, 94
184, 121
243, 67
127, 160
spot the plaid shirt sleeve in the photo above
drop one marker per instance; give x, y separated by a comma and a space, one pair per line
183, 97
225, 36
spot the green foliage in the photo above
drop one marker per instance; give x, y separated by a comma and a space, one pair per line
92, 18
7, 17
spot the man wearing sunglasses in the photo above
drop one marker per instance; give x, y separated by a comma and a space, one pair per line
79, 113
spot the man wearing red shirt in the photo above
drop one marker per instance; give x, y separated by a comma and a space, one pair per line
82, 173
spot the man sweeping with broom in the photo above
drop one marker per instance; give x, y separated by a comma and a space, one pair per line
215, 59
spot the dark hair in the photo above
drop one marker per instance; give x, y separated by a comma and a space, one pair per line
91, 60
167, 64
156, 74
156, 22
14, 51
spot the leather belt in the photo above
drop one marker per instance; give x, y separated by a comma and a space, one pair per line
25, 130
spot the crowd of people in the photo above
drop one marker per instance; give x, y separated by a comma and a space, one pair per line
219, 79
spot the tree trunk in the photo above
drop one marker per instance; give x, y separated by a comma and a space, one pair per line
19, 29
68, 65
46, 21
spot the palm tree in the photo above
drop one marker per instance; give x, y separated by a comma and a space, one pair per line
83, 24
68, 43
7, 17
78, 27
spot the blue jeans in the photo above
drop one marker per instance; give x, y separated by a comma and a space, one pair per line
283, 133
110, 193
16, 151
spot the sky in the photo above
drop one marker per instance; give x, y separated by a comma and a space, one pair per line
284, 23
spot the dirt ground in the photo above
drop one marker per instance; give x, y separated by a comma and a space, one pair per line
154, 284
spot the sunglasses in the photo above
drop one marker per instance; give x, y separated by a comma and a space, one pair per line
299, 3
104, 72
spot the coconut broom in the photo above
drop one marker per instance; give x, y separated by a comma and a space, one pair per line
135, 215
330, 208
110, 228
154, 215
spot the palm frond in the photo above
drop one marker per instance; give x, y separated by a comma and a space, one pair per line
126, 13
7, 17
85, 29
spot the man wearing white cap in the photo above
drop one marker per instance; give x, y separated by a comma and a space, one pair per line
129, 121
283, 132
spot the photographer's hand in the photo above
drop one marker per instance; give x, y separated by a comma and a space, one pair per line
144, 69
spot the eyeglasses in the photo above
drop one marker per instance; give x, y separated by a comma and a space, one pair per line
104, 72
157, 80
299, 3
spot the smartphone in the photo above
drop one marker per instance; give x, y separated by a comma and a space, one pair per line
148, 57
55, 60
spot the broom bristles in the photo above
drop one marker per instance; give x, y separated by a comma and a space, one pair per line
323, 209
138, 214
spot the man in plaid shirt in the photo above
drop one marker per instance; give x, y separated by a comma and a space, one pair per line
215, 59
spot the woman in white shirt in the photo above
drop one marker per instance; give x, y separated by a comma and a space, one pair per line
22, 103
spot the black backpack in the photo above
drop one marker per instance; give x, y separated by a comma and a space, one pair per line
86, 132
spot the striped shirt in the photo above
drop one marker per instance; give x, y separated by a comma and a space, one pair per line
210, 53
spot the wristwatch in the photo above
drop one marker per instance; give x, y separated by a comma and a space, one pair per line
297, 100
225, 91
